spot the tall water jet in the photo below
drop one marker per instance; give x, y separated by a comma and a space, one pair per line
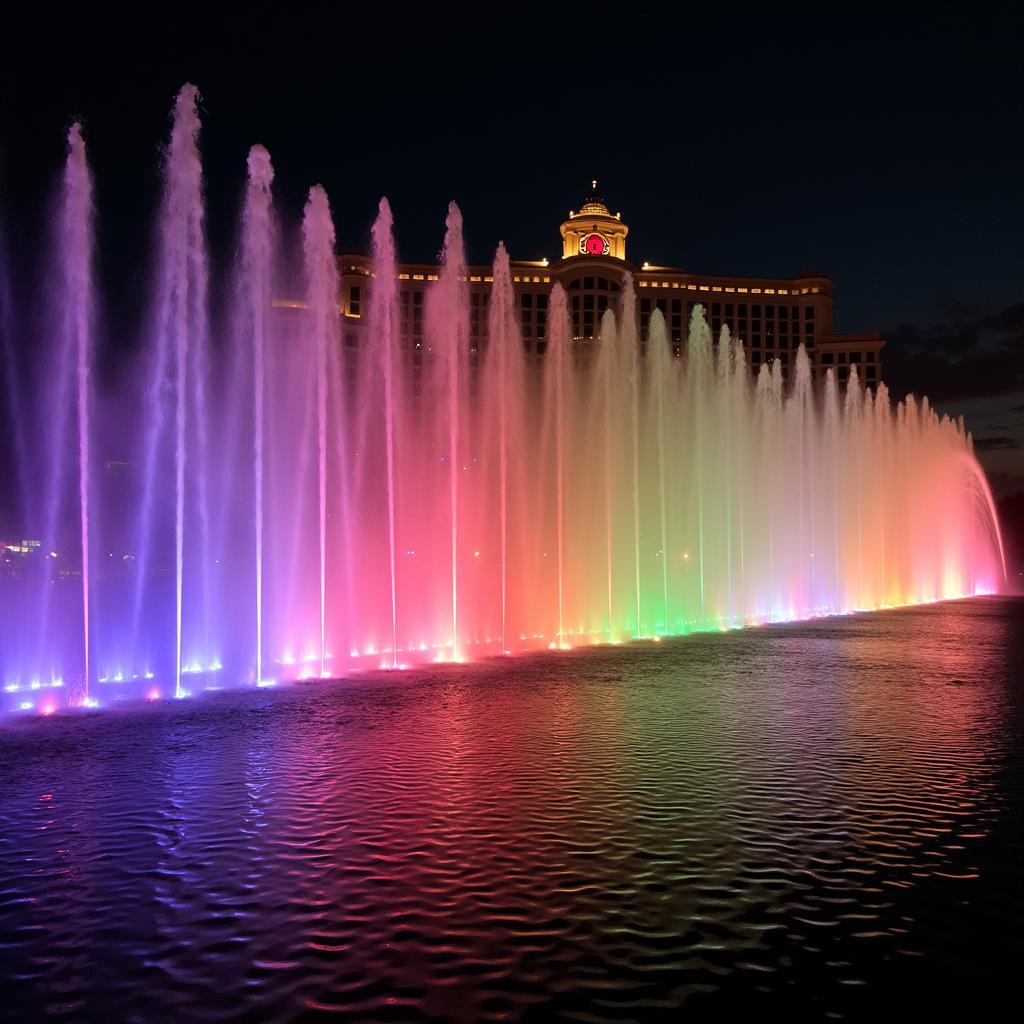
502, 314
384, 318
557, 369
77, 266
449, 329
630, 341
257, 248
175, 401
660, 360
322, 285
502, 430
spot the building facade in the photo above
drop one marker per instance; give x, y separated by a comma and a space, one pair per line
772, 316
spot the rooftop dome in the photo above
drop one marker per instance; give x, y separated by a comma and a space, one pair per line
594, 202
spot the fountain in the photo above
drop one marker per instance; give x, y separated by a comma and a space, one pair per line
251, 499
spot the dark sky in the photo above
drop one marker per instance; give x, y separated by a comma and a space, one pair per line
883, 151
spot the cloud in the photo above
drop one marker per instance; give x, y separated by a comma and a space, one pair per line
974, 353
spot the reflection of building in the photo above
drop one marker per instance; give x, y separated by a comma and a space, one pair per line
772, 315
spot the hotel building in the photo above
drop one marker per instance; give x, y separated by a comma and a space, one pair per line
772, 315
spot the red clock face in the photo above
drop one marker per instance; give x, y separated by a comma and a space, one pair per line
594, 245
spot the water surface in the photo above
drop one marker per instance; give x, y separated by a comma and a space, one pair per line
822, 820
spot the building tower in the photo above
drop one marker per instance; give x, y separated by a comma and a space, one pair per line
594, 230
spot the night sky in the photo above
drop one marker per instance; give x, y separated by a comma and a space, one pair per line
884, 152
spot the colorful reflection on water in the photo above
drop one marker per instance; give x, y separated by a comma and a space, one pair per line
810, 819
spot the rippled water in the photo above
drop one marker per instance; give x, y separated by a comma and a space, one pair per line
817, 819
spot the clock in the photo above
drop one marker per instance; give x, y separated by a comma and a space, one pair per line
594, 245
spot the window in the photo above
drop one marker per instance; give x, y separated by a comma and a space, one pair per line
353, 300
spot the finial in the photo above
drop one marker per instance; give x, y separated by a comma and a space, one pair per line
593, 184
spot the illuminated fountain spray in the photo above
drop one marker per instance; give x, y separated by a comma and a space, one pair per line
322, 283
384, 320
556, 374
410, 484
502, 334
182, 325
257, 249
77, 235
660, 399
175, 421
448, 329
